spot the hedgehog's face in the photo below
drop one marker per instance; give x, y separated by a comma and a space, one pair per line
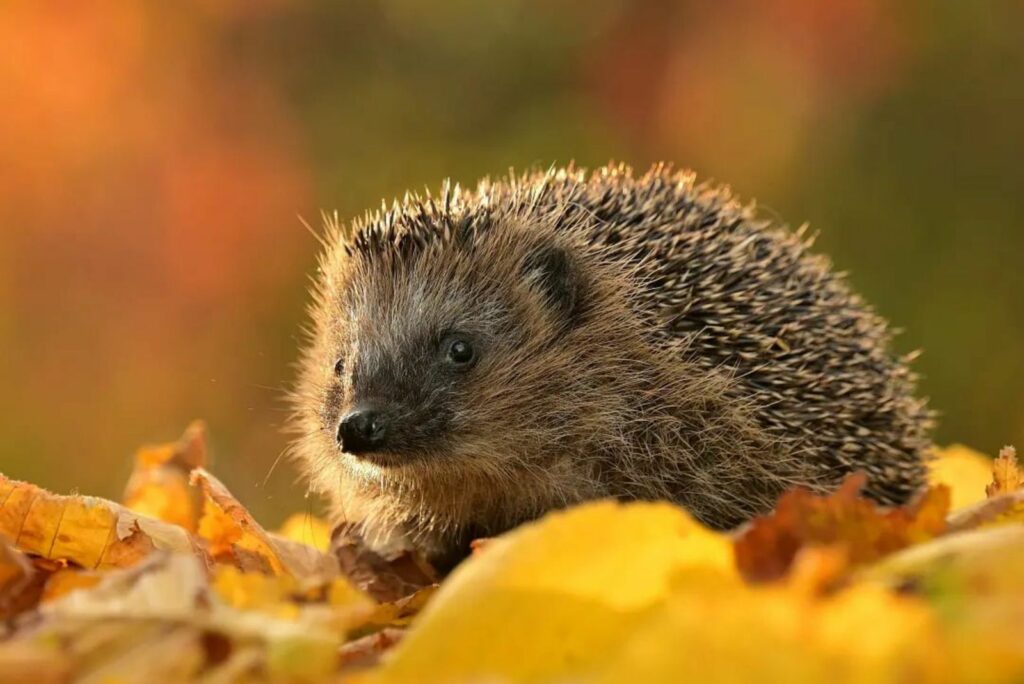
466, 385
445, 362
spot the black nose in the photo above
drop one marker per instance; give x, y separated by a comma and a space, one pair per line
361, 430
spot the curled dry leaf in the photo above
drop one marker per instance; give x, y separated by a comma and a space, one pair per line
159, 484
234, 537
999, 510
1006, 473
365, 652
863, 530
84, 530
387, 578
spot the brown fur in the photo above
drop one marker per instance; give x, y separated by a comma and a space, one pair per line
712, 360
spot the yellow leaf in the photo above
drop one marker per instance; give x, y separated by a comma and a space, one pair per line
984, 560
1006, 474
965, 471
159, 485
557, 597
336, 605
307, 529
772, 634
90, 532
235, 537
976, 581
253, 590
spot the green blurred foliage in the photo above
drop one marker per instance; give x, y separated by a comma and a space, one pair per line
155, 157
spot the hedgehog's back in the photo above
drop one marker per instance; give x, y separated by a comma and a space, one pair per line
745, 297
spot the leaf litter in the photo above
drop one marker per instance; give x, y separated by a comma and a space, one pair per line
179, 583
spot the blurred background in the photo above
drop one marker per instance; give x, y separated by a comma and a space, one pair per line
155, 158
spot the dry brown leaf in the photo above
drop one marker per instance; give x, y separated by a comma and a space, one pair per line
1006, 474
862, 529
234, 537
401, 612
86, 531
365, 652
159, 484
997, 510
385, 578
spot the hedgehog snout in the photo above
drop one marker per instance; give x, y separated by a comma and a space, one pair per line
363, 429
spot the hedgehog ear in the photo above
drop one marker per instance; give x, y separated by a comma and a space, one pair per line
551, 271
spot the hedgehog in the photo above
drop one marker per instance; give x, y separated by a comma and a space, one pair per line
478, 358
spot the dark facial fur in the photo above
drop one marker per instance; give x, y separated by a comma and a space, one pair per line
480, 359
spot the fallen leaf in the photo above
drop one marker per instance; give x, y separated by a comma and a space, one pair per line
975, 582
387, 578
998, 510
307, 529
965, 471
173, 594
976, 561
400, 613
87, 531
862, 529
159, 484
554, 599
1006, 474
771, 634
234, 537
818, 569
366, 651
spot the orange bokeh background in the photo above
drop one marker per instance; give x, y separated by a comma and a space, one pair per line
155, 159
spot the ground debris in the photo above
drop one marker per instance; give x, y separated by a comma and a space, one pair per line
180, 583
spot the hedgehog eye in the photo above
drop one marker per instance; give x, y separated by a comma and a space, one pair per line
460, 352
339, 367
